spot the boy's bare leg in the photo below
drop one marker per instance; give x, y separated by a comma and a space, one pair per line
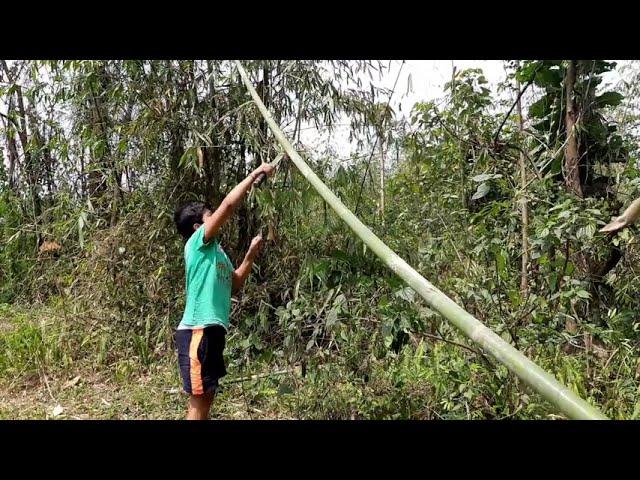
199, 406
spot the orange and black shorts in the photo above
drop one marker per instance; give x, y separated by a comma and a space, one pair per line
200, 358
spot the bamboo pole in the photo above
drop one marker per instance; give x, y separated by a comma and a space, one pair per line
539, 380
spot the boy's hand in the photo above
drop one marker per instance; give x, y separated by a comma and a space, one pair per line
264, 168
256, 245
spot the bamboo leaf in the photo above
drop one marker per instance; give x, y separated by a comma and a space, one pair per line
483, 190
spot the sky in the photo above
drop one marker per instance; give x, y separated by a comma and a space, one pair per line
428, 78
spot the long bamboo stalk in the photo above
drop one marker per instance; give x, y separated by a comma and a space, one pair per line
539, 380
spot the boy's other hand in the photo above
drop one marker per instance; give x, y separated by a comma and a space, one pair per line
256, 244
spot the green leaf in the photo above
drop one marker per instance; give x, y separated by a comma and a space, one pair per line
547, 77
122, 145
583, 294
482, 190
525, 72
340, 299
611, 99
501, 260
485, 176
406, 293
285, 389
541, 108
332, 318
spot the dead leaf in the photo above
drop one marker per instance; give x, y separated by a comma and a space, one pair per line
200, 157
71, 383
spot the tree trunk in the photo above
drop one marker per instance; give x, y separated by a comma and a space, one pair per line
13, 160
524, 281
107, 165
213, 154
97, 179
596, 271
29, 165
243, 212
176, 150
463, 158
382, 181
12, 148
572, 159
263, 155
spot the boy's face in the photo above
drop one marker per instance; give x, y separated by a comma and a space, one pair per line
207, 213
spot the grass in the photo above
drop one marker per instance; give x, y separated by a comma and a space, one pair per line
48, 370
57, 366
147, 394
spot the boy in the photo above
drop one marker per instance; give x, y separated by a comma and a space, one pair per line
211, 280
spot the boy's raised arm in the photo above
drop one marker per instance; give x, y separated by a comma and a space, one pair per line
213, 223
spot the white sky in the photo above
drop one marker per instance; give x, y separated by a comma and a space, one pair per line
428, 78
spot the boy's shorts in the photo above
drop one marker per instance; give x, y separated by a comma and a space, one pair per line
200, 358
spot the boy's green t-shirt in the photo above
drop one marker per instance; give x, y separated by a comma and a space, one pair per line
209, 273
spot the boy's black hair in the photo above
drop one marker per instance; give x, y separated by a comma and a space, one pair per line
187, 216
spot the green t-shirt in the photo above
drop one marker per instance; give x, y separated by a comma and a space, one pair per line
209, 273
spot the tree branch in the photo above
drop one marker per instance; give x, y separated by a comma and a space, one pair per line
15, 124
506, 117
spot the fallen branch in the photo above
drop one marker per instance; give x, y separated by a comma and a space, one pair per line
258, 376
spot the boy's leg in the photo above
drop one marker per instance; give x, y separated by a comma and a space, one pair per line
199, 406
201, 365
189, 361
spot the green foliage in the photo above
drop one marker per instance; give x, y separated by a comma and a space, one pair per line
136, 138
